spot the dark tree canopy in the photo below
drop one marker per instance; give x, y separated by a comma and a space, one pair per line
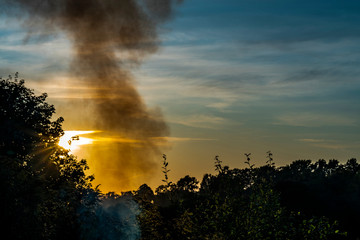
41, 184
25, 120
303, 200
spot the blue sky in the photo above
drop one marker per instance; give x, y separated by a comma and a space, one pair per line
233, 77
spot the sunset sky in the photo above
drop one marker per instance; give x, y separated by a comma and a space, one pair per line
230, 77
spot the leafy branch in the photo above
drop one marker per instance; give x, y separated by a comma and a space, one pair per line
251, 166
270, 160
165, 170
218, 166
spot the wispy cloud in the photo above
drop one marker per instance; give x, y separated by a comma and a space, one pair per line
184, 139
199, 121
306, 119
323, 143
311, 140
251, 62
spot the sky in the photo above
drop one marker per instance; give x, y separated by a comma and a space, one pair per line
230, 77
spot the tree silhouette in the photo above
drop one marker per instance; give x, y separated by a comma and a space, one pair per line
41, 184
236, 204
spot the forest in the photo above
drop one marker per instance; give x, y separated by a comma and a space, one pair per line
46, 194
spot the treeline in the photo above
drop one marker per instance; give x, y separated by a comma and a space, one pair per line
45, 193
303, 200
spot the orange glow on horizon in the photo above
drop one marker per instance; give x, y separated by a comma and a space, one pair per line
72, 140
109, 158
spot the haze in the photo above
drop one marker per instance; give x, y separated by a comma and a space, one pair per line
229, 77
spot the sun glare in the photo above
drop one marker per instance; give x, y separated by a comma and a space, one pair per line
72, 140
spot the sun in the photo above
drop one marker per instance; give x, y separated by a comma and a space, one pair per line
72, 140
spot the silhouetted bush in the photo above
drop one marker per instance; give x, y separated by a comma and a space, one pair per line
291, 202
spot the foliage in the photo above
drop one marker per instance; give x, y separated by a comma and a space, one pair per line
165, 171
42, 185
218, 167
248, 203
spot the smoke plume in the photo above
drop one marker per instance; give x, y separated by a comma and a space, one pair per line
109, 217
109, 37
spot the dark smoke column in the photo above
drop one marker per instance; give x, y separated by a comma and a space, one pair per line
102, 30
